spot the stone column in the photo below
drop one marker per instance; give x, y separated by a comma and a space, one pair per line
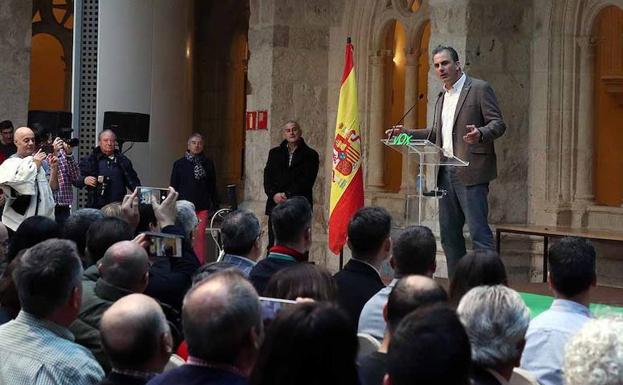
375, 148
15, 47
143, 66
409, 166
584, 161
411, 88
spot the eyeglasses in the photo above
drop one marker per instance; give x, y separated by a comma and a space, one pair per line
260, 234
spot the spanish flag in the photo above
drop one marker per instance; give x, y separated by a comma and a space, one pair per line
347, 177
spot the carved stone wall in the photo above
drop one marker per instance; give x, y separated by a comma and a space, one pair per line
15, 43
288, 66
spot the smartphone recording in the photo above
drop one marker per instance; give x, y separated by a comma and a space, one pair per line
147, 195
164, 245
271, 307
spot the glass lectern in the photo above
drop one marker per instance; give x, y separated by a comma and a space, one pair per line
425, 157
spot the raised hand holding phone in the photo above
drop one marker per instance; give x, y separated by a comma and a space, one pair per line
165, 212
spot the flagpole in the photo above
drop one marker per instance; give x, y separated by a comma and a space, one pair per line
341, 258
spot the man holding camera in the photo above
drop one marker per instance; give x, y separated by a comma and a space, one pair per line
23, 180
68, 175
106, 173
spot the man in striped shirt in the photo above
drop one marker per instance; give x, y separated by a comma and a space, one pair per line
37, 348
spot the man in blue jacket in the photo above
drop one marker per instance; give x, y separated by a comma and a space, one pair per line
106, 173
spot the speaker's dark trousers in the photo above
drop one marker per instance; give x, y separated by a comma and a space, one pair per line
462, 204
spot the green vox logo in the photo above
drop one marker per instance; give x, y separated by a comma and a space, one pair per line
401, 139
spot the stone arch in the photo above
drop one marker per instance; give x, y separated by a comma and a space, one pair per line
381, 30
419, 20
590, 12
562, 102
380, 20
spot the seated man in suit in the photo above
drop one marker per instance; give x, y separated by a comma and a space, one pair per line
124, 270
291, 221
223, 329
496, 320
370, 243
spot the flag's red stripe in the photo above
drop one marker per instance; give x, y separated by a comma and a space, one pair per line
350, 201
348, 62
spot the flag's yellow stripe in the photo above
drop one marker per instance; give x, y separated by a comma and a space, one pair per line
347, 124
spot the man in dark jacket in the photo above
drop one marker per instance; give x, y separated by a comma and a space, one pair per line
290, 171
136, 337
106, 173
193, 177
292, 222
124, 270
370, 244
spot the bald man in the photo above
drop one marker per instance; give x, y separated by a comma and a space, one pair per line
220, 351
136, 337
23, 180
124, 270
291, 170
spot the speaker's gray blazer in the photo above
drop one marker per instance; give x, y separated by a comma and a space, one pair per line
477, 105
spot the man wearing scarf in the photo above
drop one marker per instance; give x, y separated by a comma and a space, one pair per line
193, 177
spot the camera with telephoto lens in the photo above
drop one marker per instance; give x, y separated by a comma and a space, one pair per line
65, 135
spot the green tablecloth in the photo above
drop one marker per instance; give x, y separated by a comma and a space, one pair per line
539, 303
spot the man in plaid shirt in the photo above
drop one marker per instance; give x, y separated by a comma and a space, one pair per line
68, 173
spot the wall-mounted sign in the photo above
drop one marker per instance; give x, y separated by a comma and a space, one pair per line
262, 120
251, 120
257, 120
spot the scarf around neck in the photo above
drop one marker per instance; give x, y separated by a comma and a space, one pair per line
198, 169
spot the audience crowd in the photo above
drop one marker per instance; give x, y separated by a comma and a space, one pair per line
88, 301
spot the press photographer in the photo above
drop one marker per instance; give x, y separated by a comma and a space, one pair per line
106, 173
59, 143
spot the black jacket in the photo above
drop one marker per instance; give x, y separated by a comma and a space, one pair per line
356, 284
264, 270
171, 277
481, 376
294, 180
122, 379
89, 166
202, 192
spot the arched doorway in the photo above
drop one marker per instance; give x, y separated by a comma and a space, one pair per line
51, 55
607, 36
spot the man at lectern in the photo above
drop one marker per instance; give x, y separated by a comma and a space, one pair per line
466, 121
